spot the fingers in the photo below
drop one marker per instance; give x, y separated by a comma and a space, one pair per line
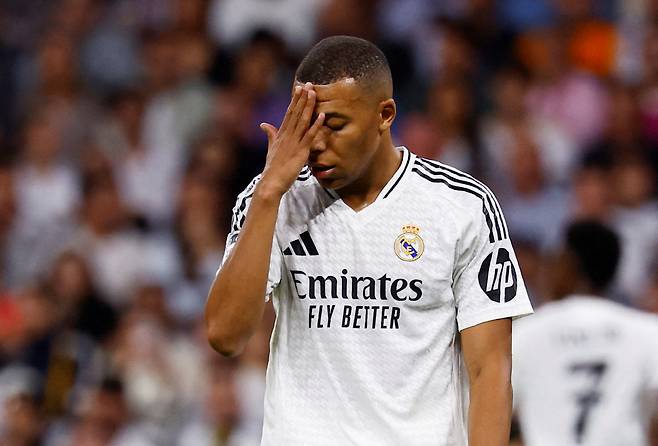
298, 118
306, 114
270, 131
299, 106
315, 128
297, 93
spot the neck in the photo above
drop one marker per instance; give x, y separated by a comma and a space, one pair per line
583, 288
381, 168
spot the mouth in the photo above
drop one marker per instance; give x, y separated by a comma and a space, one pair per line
322, 171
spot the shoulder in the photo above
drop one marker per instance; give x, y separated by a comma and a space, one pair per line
645, 323
305, 178
463, 193
305, 193
299, 193
639, 330
460, 186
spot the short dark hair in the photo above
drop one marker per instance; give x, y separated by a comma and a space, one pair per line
596, 249
343, 57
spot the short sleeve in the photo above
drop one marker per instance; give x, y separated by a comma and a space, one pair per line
237, 221
487, 281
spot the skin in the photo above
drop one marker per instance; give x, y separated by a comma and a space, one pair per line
355, 140
487, 350
344, 126
566, 279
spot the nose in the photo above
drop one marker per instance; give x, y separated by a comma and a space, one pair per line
319, 143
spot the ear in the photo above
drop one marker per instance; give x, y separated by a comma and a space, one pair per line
387, 111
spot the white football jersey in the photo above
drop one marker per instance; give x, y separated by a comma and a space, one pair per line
585, 372
369, 304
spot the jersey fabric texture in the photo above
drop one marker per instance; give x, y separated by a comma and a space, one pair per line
365, 348
585, 373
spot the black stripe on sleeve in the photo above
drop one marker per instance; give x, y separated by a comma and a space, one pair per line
234, 223
239, 212
241, 205
466, 181
483, 186
489, 192
462, 189
305, 174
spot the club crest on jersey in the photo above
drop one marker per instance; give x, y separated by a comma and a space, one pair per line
409, 246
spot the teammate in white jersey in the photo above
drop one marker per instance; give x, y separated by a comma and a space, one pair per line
586, 368
393, 277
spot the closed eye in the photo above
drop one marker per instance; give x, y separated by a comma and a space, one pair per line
335, 127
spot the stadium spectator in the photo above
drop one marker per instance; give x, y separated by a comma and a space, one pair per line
575, 100
83, 309
7, 217
231, 22
508, 121
536, 208
446, 130
220, 420
22, 425
47, 197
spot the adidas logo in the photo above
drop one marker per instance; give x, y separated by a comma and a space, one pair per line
297, 246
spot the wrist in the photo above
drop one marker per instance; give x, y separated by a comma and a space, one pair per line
268, 193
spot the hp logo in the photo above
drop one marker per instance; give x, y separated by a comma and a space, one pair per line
497, 276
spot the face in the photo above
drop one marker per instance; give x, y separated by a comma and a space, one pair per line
70, 280
592, 193
346, 150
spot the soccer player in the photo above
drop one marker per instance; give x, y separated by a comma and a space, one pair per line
392, 277
586, 368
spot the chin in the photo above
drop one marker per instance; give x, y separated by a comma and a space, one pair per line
329, 183
332, 183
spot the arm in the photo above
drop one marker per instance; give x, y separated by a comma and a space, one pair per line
236, 299
235, 302
487, 349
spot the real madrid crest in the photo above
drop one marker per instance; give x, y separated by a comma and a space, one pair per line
409, 246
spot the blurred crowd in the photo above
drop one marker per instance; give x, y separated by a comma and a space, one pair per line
127, 127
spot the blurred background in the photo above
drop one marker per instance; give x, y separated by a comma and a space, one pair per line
127, 127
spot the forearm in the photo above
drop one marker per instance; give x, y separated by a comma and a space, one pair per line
490, 410
236, 300
487, 350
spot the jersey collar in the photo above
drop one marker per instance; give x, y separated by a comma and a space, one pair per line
392, 183
397, 176
392, 186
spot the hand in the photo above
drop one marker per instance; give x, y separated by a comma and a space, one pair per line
288, 148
